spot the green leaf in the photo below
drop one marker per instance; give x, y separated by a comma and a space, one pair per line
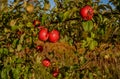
22, 38
16, 73
31, 41
6, 30
89, 39
107, 69
92, 35
13, 28
15, 43
100, 16
1, 50
4, 74
66, 15
20, 25
60, 17
4, 51
91, 76
84, 43
29, 24
19, 47
93, 44
11, 49
87, 26
44, 17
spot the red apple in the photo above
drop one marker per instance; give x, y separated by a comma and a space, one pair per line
36, 23
86, 12
43, 34
39, 48
46, 62
55, 73
54, 36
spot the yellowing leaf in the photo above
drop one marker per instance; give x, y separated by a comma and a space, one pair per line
13, 22
30, 8
46, 6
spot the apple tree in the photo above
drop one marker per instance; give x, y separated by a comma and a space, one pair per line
72, 39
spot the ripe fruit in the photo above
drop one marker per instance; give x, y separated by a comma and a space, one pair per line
36, 23
39, 48
54, 36
55, 73
43, 34
86, 12
46, 62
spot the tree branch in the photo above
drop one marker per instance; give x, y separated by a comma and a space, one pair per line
55, 22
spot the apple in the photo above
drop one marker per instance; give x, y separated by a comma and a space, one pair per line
43, 34
46, 62
55, 73
36, 23
39, 48
54, 36
86, 12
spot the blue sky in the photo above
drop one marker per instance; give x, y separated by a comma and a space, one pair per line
104, 1
52, 4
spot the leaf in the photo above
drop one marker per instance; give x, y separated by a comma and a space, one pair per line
44, 17
6, 30
75, 9
93, 44
107, 69
100, 16
60, 16
90, 25
84, 43
16, 73
66, 15
46, 6
11, 49
89, 39
91, 76
20, 25
87, 26
13, 28
4, 74
15, 43
19, 47
92, 35
29, 24
13, 22
4, 51
22, 38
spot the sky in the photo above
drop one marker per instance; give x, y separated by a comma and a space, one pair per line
52, 2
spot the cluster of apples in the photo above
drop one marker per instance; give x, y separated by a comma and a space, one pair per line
44, 35
53, 36
86, 12
47, 63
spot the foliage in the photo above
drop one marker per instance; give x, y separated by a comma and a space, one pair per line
86, 49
